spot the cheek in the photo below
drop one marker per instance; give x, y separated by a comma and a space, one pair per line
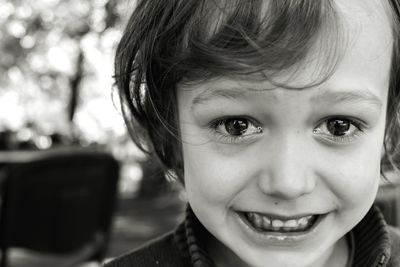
354, 178
212, 176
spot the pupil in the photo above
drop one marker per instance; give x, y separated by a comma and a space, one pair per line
235, 126
338, 127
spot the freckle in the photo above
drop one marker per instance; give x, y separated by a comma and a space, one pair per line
276, 203
298, 131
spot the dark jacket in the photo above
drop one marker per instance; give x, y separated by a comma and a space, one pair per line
375, 245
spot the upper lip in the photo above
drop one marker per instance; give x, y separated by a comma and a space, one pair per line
283, 217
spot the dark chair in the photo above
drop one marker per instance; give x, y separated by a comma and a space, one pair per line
59, 204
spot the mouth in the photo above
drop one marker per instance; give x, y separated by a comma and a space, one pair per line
269, 224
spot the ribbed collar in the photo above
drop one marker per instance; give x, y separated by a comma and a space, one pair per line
371, 241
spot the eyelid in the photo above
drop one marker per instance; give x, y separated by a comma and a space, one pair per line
341, 140
250, 119
227, 138
361, 124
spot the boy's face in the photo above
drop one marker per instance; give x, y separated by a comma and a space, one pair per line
280, 176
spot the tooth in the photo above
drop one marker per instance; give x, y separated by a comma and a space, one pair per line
250, 216
303, 221
291, 223
277, 223
257, 220
266, 222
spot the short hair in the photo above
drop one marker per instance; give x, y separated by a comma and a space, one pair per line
168, 42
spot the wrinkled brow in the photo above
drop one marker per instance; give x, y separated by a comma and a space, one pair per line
211, 94
333, 97
227, 93
348, 96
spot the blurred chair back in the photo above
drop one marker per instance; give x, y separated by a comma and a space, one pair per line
59, 203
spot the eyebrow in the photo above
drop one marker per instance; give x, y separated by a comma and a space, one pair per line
336, 97
227, 93
353, 96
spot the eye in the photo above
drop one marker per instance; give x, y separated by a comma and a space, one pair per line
339, 129
234, 128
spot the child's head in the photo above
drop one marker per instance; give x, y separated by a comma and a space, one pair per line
273, 108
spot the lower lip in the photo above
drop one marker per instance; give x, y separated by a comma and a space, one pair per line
278, 239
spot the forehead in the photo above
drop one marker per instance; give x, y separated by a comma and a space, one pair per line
367, 43
364, 56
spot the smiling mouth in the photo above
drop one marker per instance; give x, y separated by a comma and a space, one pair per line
265, 223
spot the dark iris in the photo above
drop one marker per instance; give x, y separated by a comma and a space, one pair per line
236, 126
338, 127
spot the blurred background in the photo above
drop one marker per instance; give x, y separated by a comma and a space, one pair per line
56, 98
74, 190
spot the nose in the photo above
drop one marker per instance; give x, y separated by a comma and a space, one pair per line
288, 171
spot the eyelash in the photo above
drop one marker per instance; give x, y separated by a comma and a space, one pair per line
226, 137
341, 140
318, 130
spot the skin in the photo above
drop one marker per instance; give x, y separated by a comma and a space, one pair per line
287, 162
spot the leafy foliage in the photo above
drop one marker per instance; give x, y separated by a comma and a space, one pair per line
56, 66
